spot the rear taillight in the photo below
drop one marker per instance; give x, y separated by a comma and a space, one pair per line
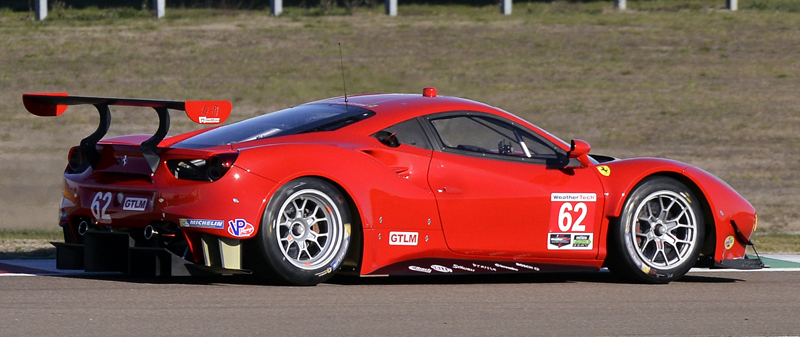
77, 161
219, 164
210, 169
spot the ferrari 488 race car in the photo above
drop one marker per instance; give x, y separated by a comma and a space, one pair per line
381, 184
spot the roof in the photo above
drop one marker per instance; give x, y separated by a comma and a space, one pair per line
394, 108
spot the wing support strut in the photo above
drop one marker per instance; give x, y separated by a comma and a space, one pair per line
89, 144
149, 146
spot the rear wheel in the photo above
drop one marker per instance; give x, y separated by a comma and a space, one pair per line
304, 234
659, 234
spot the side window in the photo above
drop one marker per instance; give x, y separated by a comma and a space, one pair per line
489, 136
537, 146
410, 133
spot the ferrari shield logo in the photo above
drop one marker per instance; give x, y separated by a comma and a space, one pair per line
604, 170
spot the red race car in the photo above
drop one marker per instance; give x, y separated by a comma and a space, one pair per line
381, 184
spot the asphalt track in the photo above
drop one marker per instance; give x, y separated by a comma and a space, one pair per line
704, 302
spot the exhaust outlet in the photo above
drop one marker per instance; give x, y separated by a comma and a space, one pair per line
150, 232
83, 226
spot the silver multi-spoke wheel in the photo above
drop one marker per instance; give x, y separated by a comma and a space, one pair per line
309, 229
659, 234
664, 230
304, 233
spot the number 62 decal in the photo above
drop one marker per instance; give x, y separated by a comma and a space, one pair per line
99, 205
565, 223
572, 212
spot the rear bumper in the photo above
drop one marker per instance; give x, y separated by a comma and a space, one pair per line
116, 252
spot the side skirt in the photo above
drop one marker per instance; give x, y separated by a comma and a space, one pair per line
462, 266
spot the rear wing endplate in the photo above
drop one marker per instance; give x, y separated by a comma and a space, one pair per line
54, 104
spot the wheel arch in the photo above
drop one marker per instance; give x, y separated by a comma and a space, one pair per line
352, 261
709, 241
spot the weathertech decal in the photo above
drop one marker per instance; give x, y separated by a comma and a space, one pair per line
569, 241
403, 238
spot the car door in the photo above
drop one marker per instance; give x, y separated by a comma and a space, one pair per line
497, 196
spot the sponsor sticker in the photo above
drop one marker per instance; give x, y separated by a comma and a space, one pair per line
569, 241
324, 272
729, 242
240, 228
458, 266
134, 204
420, 269
441, 269
526, 266
403, 238
560, 239
505, 267
202, 223
480, 266
581, 241
208, 120
585, 197
345, 244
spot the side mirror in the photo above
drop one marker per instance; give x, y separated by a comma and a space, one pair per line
580, 149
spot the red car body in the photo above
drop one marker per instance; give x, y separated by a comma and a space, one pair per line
414, 209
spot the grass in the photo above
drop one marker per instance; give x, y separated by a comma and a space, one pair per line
681, 79
781, 243
32, 234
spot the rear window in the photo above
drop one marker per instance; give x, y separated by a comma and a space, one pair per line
300, 119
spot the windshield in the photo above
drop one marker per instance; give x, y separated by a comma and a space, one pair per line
299, 119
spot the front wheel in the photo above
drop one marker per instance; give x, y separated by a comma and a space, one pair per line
659, 234
304, 234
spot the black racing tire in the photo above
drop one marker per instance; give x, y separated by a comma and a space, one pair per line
68, 236
303, 248
659, 235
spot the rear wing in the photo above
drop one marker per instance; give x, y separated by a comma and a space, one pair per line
54, 104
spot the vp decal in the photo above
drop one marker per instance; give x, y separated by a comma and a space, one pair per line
240, 228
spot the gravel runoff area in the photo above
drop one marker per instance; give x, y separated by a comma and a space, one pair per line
26, 248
